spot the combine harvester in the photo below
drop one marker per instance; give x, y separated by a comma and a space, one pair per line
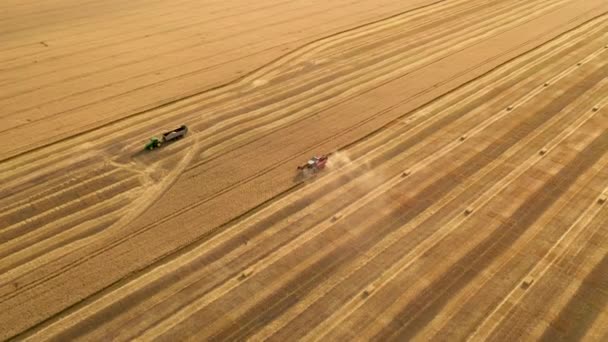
173, 135
314, 164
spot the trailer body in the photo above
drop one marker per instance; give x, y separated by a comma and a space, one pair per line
167, 137
175, 134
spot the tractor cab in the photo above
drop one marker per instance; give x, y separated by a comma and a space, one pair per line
154, 143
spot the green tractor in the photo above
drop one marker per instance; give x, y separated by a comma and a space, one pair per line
167, 137
154, 143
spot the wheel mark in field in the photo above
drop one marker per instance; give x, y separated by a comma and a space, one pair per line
206, 160
257, 175
137, 76
114, 43
446, 319
560, 35
138, 113
341, 314
590, 291
125, 64
41, 203
518, 223
569, 266
40, 233
135, 210
302, 90
514, 297
380, 26
430, 242
484, 329
294, 58
44, 178
256, 268
86, 228
472, 132
75, 223
430, 194
12, 215
65, 209
267, 102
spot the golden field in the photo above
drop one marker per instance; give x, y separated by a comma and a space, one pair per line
465, 197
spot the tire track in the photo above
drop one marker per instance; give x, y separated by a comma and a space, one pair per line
312, 268
77, 86
191, 23
589, 292
582, 225
525, 216
13, 214
311, 43
110, 40
444, 212
340, 254
159, 52
20, 112
566, 275
135, 209
476, 292
305, 92
278, 163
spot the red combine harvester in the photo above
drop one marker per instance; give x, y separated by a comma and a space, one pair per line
315, 164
